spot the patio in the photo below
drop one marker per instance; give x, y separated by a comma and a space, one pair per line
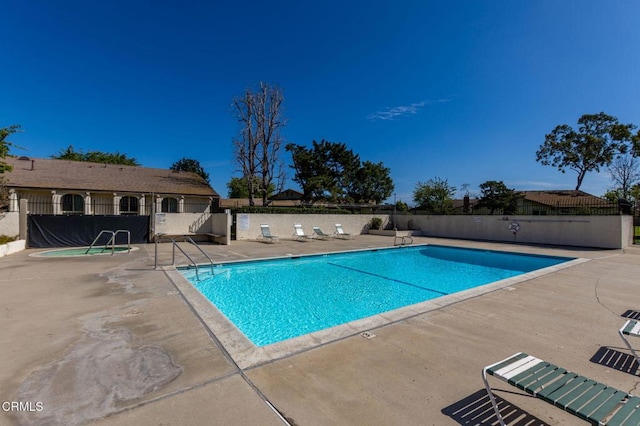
111, 341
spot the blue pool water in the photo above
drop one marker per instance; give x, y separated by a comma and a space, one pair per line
274, 300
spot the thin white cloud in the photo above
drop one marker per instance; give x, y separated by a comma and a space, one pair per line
402, 110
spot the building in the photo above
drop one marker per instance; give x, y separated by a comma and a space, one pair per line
549, 202
564, 202
75, 187
57, 193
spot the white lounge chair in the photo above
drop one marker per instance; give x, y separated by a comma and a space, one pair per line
341, 234
265, 235
299, 234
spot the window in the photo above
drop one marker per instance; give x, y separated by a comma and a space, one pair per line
169, 205
128, 205
72, 204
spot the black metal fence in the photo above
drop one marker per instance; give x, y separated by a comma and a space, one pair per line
553, 207
578, 207
129, 206
569, 207
134, 206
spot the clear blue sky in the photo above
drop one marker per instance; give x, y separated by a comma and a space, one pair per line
461, 90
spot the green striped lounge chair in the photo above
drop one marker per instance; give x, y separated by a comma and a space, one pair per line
321, 235
587, 399
630, 328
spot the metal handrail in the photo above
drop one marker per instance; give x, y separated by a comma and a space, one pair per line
175, 244
157, 239
189, 239
128, 238
98, 237
404, 239
112, 240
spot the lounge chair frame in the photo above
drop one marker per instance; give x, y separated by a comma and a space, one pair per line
299, 234
585, 398
321, 235
630, 328
266, 236
341, 234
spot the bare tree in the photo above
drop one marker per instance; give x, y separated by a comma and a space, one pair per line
259, 143
625, 173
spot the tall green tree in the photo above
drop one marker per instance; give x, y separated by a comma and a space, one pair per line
329, 171
635, 144
599, 138
372, 183
325, 171
190, 165
258, 146
496, 196
5, 132
435, 196
95, 157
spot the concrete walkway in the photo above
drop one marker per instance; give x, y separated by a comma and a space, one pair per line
111, 341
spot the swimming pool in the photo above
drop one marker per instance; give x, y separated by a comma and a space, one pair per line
273, 300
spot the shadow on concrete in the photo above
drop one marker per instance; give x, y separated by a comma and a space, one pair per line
631, 314
616, 360
476, 409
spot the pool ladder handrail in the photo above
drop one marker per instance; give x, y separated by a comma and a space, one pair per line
405, 239
190, 240
195, 265
111, 241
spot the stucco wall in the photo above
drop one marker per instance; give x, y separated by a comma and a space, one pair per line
581, 231
179, 224
10, 224
281, 225
221, 225
12, 247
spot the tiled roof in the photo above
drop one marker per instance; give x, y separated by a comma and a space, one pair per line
553, 198
288, 194
562, 197
40, 173
230, 203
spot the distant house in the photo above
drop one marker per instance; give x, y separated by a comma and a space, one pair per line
286, 198
465, 205
287, 195
564, 202
62, 187
552, 202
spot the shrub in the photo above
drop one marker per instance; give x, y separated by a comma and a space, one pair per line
375, 223
5, 239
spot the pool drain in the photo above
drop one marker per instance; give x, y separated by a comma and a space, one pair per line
368, 335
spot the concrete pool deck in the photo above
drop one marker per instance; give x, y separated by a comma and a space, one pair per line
108, 340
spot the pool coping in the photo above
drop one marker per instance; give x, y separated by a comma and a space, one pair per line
246, 355
43, 255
